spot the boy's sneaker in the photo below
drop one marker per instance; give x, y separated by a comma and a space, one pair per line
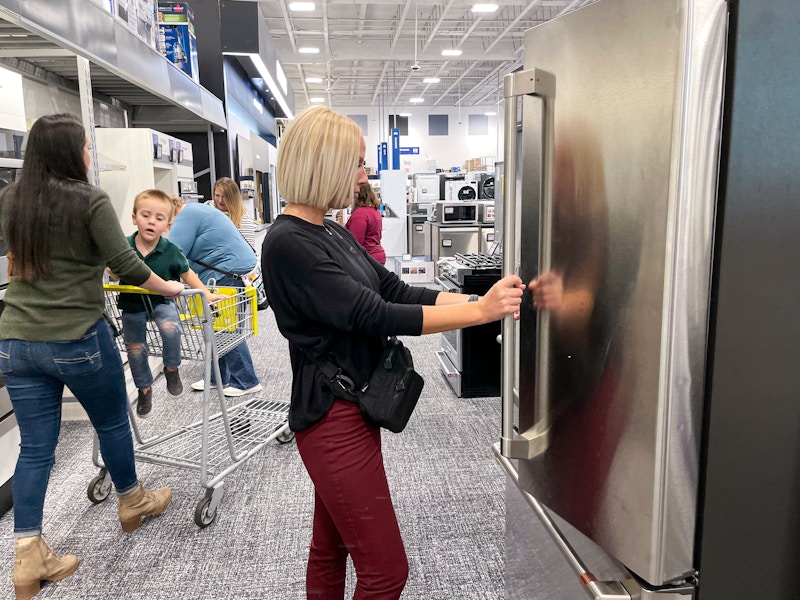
174, 384
144, 403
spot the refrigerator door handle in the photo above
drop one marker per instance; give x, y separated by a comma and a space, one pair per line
540, 84
597, 590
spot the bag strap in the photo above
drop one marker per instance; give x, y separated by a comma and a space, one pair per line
333, 373
217, 269
336, 375
223, 271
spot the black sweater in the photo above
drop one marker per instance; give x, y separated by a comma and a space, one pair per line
331, 298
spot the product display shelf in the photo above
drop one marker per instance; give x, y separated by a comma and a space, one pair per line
123, 66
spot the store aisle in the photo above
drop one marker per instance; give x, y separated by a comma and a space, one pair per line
448, 491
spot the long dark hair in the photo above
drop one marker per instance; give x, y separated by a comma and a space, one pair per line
366, 197
53, 189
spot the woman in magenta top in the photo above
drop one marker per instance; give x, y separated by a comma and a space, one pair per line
365, 222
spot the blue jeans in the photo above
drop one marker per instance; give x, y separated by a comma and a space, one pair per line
236, 367
134, 332
35, 374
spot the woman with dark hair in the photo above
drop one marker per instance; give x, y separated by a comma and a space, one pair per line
365, 222
63, 233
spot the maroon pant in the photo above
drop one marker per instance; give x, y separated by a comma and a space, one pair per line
353, 512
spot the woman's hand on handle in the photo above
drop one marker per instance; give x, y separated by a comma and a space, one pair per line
503, 298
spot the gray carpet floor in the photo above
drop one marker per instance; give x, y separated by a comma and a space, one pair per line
447, 490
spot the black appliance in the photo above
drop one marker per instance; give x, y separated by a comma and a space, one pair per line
486, 186
470, 357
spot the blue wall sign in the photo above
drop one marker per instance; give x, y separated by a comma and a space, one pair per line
409, 149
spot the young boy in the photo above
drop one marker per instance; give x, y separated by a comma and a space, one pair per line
153, 211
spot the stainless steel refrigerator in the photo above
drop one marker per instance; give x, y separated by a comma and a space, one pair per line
650, 422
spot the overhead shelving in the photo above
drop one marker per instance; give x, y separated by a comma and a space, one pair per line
37, 37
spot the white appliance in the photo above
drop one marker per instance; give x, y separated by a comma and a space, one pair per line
426, 187
460, 191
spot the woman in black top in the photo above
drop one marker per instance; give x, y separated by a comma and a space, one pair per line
333, 301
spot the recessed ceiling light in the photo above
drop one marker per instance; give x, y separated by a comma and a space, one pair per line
431, 80
490, 114
304, 6
484, 8
308, 50
317, 100
313, 79
453, 52
417, 100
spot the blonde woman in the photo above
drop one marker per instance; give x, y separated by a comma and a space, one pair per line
228, 199
332, 300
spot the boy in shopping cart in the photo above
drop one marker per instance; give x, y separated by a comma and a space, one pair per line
153, 211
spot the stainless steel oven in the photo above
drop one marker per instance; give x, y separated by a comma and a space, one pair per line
457, 212
449, 240
470, 358
452, 340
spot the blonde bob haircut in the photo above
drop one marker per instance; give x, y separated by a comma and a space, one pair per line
318, 159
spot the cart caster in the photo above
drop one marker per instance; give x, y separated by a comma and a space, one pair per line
285, 437
203, 515
206, 510
99, 487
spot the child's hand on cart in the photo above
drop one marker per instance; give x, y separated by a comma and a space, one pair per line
212, 297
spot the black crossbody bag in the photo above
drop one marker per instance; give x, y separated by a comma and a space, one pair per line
389, 397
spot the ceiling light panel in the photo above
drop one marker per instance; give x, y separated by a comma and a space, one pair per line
451, 52
308, 50
303, 6
484, 8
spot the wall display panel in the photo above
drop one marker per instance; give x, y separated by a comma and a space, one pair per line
438, 125
478, 125
362, 121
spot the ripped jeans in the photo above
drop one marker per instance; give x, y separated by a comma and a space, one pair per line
134, 332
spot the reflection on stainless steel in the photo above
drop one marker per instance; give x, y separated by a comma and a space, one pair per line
620, 364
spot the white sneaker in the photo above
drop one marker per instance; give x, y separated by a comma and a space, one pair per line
233, 392
199, 386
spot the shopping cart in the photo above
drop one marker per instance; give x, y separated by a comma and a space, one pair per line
221, 441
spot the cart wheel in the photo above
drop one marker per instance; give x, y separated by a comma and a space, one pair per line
98, 489
285, 437
202, 516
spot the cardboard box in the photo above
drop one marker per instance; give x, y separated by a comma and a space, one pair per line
417, 269
176, 36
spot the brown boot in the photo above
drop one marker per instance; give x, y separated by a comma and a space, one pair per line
36, 562
140, 503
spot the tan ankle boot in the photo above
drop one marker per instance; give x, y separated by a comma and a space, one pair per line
140, 503
36, 562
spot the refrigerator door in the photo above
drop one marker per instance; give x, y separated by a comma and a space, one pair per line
614, 376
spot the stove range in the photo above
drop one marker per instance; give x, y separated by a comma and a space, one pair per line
460, 266
470, 357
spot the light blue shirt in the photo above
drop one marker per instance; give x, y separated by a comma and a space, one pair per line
207, 234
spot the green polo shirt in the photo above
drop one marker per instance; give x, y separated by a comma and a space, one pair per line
167, 261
